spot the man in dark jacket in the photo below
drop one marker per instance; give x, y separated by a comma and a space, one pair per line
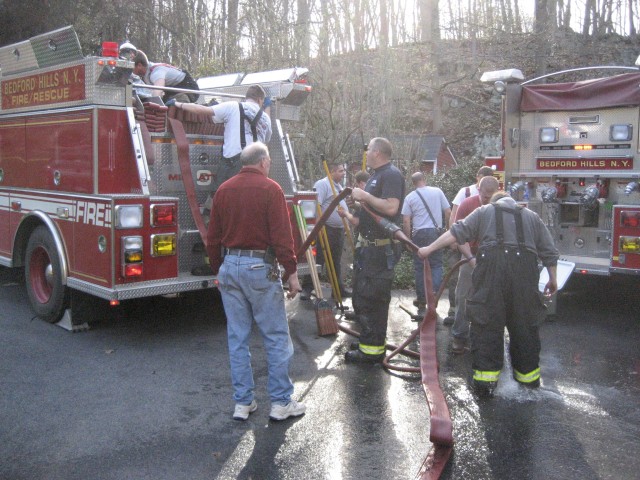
504, 291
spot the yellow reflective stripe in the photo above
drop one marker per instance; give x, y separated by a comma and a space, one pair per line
372, 349
532, 376
481, 376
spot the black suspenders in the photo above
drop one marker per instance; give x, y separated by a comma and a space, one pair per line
253, 123
517, 212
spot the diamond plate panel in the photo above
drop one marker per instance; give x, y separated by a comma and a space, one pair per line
571, 134
167, 180
54, 48
17, 58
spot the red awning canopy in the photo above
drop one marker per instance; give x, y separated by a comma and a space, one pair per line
618, 91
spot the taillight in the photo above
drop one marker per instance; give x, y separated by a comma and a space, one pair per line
132, 255
163, 244
629, 244
133, 270
163, 215
629, 219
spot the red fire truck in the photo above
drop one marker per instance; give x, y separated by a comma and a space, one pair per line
571, 152
100, 192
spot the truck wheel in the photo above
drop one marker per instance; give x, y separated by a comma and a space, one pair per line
47, 294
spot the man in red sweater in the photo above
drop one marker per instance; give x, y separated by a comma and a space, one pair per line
249, 226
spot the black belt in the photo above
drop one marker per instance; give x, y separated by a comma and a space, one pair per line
244, 253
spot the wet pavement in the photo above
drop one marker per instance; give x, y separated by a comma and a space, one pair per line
145, 394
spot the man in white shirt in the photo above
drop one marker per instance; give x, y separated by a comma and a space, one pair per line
244, 123
425, 211
334, 227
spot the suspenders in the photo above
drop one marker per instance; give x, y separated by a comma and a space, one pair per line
517, 212
253, 123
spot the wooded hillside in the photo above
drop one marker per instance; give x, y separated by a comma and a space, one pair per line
378, 67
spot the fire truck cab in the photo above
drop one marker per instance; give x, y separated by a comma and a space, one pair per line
100, 191
571, 152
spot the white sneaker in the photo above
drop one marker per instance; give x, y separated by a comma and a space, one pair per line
292, 409
242, 412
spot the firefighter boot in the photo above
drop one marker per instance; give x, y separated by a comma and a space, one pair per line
356, 356
484, 389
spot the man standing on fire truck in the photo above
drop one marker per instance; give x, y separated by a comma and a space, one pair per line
376, 254
244, 123
250, 223
504, 287
164, 75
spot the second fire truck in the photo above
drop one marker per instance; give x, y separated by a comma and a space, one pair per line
571, 152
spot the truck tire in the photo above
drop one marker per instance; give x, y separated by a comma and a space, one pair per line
47, 294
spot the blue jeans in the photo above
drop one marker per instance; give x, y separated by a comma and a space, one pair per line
422, 238
249, 296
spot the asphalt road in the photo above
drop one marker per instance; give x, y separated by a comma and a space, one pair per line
145, 394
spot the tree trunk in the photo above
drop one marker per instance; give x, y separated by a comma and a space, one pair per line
384, 24
589, 18
541, 30
231, 40
302, 36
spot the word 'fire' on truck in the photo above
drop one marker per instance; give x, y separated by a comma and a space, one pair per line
99, 190
571, 152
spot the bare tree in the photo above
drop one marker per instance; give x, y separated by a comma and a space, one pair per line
302, 32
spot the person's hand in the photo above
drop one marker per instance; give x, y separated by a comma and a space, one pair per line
171, 102
424, 252
358, 194
350, 201
294, 286
267, 102
551, 287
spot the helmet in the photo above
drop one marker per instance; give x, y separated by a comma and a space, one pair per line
127, 50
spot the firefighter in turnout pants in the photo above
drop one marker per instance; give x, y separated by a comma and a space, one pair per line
505, 287
376, 254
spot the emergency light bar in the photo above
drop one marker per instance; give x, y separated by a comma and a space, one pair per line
508, 75
109, 49
584, 147
284, 75
219, 81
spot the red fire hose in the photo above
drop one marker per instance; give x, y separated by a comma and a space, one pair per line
441, 428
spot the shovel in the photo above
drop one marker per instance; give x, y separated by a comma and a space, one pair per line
325, 318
